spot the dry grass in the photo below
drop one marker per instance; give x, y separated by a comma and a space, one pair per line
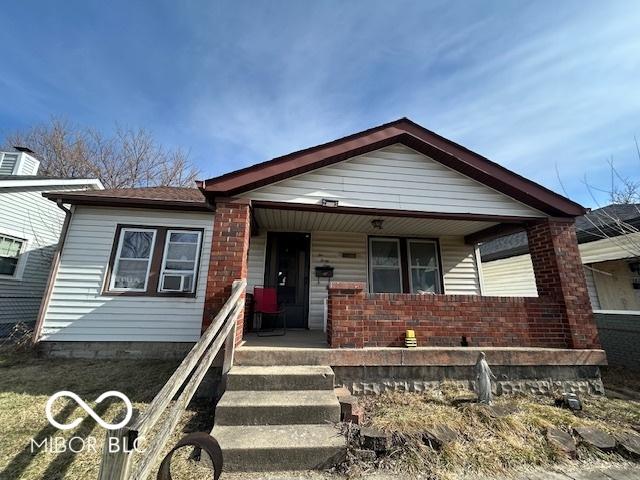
487, 444
27, 382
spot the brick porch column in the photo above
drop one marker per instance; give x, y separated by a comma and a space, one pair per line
560, 278
229, 250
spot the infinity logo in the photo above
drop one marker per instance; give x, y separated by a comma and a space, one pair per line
88, 409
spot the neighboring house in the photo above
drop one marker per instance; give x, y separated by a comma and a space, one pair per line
30, 227
609, 244
364, 237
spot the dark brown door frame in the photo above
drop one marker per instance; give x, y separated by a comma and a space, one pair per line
270, 275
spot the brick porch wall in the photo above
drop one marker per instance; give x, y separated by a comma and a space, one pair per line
559, 318
358, 319
229, 250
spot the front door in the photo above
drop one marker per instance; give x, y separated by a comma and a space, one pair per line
287, 269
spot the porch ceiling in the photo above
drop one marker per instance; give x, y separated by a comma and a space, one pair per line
304, 221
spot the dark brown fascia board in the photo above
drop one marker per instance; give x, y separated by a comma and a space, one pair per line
127, 202
491, 233
378, 212
414, 136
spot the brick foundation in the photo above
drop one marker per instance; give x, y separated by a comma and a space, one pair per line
559, 318
229, 250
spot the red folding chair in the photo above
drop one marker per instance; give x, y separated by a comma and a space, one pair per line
265, 302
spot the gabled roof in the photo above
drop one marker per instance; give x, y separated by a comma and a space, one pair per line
410, 134
172, 198
593, 226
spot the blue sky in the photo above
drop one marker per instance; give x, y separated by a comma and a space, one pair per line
531, 85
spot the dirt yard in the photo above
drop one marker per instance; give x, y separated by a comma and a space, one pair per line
484, 443
27, 382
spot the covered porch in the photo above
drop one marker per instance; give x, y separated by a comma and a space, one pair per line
364, 277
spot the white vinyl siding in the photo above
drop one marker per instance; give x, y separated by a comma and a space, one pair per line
459, 269
257, 260
510, 277
327, 248
614, 248
28, 165
394, 177
77, 309
514, 276
26, 214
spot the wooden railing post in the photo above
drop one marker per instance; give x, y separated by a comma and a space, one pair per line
229, 350
227, 362
116, 464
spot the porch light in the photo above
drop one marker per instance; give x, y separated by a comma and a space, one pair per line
327, 202
377, 223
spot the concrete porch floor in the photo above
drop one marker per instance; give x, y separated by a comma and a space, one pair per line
309, 347
292, 339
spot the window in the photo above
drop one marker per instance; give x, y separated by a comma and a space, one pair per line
10, 250
180, 261
423, 265
149, 260
386, 273
398, 265
133, 260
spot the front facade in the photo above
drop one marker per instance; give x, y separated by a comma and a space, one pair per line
30, 227
363, 238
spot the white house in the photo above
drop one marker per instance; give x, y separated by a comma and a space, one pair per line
30, 227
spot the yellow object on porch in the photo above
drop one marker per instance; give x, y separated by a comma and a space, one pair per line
410, 340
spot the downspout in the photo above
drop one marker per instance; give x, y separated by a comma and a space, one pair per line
53, 271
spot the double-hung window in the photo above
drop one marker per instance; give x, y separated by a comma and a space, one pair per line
149, 260
133, 259
180, 261
403, 265
10, 250
386, 272
422, 259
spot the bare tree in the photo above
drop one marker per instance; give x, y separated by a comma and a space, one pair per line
618, 222
127, 158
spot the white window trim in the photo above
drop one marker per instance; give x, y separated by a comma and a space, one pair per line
22, 256
410, 266
196, 262
116, 262
382, 267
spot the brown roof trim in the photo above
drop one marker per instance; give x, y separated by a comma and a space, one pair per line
403, 131
104, 201
310, 207
491, 233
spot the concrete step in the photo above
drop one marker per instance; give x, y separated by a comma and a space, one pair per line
280, 378
283, 407
279, 447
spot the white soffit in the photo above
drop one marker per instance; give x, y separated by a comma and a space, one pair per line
303, 221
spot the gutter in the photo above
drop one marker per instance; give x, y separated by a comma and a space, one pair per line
53, 271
